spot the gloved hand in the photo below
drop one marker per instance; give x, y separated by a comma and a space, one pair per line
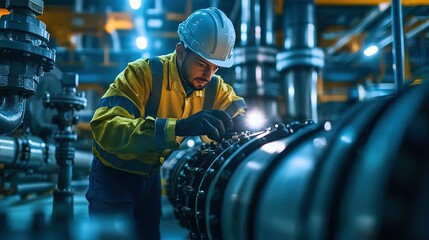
240, 123
213, 123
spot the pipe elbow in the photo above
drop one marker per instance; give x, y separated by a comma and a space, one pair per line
12, 109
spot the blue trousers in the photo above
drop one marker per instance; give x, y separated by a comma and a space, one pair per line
113, 192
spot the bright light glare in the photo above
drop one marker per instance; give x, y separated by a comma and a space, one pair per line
135, 4
327, 126
254, 165
370, 51
320, 142
274, 147
141, 42
346, 139
243, 28
255, 119
190, 143
155, 23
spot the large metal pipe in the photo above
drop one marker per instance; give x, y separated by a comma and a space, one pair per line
24, 152
33, 153
28, 164
39, 187
323, 180
24, 57
398, 44
12, 112
256, 77
300, 61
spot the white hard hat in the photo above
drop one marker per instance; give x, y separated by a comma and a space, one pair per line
210, 34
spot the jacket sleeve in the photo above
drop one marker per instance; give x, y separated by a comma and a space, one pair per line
227, 100
118, 125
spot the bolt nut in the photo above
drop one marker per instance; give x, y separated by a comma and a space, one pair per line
34, 5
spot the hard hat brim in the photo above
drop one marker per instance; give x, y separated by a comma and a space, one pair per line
220, 63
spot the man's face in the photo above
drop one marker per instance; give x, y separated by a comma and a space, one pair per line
196, 70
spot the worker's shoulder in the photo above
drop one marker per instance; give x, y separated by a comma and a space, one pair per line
167, 57
141, 63
144, 62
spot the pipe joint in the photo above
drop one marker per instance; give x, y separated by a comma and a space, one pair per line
309, 57
24, 57
244, 55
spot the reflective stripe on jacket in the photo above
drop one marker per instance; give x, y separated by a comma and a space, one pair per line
124, 139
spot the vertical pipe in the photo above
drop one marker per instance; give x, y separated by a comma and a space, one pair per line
78, 8
256, 78
398, 44
66, 103
300, 61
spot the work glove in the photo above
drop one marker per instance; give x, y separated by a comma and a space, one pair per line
240, 123
213, 123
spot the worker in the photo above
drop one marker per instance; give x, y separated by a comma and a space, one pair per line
147, 111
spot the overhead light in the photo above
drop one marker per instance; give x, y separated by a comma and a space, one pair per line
141, 42
371, 50
135, 4
154, 23
243, 28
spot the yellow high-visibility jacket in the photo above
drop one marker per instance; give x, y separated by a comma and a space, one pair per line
127, 140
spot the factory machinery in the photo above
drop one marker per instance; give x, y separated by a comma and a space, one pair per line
25, 58
362, 176
37, 152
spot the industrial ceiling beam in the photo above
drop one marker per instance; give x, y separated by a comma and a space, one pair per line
358, 29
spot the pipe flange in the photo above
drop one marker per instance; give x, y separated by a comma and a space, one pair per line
25, 54
244, 55
69, 98
307, 57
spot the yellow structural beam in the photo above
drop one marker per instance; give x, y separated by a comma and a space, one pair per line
367, 2
118, 21
63, 23
3, 11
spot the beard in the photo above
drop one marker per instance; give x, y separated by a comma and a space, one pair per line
191, 82
200, 81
